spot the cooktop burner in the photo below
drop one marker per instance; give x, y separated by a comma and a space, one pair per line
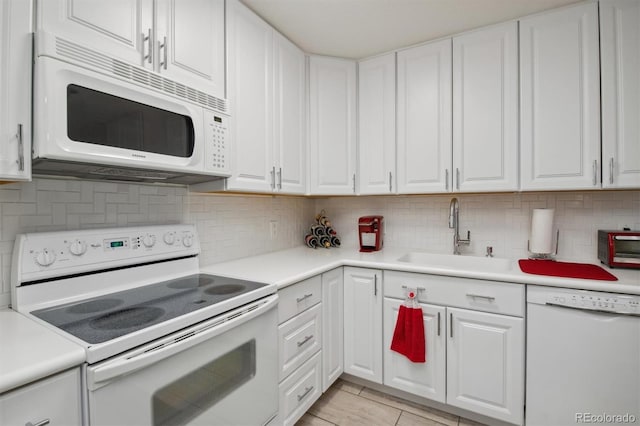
107, 317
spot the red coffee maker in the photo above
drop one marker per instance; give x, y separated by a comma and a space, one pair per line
370, 230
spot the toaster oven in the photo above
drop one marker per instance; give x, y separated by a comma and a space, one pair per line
619, 249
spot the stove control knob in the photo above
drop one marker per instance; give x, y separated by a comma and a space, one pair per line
187, 240
169, 238
78, 247
45, 257
149, 240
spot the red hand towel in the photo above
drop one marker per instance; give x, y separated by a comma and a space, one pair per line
408, 336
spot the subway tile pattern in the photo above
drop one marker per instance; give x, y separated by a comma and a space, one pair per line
501, 221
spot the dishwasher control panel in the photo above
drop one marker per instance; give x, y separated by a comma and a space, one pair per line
587, 300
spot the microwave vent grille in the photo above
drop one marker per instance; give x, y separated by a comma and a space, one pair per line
138, 75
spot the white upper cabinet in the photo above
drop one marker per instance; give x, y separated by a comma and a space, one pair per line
15, 89
332, 126
560, 99
190, 43
267, 78
424, 118
377, 125
250, 65
183, 40
290, 116
485, 109
620, 53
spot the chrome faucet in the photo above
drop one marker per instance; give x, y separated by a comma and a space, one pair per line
454, 223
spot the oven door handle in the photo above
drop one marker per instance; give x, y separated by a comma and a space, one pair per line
176, 343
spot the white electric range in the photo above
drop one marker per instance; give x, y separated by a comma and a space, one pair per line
165, 345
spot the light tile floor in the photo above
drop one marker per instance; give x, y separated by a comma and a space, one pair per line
347, 404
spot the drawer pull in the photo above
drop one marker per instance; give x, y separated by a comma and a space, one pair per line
404, 287
44, 422
479, 296
305, 340
305, 393
303, 298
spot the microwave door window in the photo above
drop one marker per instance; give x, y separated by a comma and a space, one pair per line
102, 119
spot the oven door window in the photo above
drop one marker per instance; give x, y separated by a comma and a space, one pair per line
194, 393
102, 119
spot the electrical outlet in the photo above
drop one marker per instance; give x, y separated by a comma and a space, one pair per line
273, 229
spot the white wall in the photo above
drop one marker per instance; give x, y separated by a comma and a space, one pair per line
229, 226
498, 220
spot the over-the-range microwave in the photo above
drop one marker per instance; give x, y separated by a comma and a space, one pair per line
97, 117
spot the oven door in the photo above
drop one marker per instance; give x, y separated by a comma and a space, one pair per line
223, 371
87, 117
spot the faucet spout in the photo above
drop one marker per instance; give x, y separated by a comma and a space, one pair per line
454, 223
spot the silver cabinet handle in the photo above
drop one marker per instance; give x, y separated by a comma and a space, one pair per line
20, 138
305, 340
354, 183
611, 170
305, 297
305, 393
280, 178
272, 173
446, 179
451, 325
375, 285
44, 422
390, 183
479, 296
417, 288
163, 49
438, 323
595, 172
457, 178
146, 38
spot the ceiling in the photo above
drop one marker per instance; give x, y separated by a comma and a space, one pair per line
361, 28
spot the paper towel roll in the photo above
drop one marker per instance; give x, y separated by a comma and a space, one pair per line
541, 239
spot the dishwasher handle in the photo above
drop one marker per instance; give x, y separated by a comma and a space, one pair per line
169, 346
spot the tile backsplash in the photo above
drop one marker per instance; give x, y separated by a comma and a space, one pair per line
499, 220
234, 226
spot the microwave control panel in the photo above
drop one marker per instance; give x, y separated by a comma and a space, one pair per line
217, 151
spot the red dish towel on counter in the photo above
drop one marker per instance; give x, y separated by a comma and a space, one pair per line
408, 336
565, 269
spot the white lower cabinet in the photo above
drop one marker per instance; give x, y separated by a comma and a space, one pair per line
474, 332
363, 323
332, 327
52, 401
300, 390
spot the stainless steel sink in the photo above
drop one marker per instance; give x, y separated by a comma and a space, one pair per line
450, 261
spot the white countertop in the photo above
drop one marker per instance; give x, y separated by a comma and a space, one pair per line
290, 266
30, 352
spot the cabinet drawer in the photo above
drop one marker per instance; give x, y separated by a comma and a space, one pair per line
478, 295
300, 390
298, 339
298, 297
56, 399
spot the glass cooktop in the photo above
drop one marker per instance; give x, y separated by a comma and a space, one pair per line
99, 319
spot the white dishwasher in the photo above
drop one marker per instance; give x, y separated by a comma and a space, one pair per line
583, 357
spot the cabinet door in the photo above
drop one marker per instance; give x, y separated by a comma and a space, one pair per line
363, 323
485, 364
620, 51
290, 116
190, 43
485, 109
332, 125
377, 125
427, 379
332, 327
250, 55
560, 99
116, 28
15, 89
424, 118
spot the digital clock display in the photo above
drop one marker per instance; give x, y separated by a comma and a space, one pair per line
116, 244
